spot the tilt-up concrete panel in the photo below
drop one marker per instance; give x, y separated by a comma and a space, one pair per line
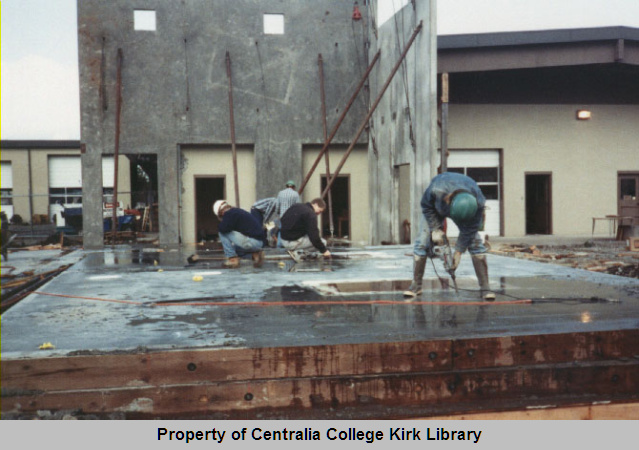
175, 89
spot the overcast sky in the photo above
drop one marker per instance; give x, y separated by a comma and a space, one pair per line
40, 94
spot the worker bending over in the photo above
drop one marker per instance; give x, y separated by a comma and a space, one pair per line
240, 234
300, 231
459, 198
286, 198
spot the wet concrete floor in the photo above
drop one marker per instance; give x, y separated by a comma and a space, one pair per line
123, 299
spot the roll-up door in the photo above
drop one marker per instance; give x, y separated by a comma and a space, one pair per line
6, 179
483, 167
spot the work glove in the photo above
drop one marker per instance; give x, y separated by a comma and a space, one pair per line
437, 236
456, 260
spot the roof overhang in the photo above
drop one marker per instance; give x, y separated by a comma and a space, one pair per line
537, 49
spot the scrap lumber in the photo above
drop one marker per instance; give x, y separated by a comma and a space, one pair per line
357, 381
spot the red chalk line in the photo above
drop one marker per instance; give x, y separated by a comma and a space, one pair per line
300, 303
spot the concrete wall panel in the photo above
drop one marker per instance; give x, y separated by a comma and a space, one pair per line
175, 86
356, 167
215, 162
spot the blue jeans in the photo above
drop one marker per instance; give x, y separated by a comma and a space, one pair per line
236, 244
423, 246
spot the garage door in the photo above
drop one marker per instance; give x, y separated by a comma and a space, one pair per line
6, 179
483, 167
65, 182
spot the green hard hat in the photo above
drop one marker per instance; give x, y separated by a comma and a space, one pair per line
290, 183
463, 207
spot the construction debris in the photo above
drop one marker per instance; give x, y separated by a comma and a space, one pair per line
610, 257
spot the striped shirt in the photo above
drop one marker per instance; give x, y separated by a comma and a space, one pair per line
267, 207
285, 199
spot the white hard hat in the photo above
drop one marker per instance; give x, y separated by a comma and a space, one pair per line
218, 205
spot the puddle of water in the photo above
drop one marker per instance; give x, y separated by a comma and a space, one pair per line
539, 289
379, 286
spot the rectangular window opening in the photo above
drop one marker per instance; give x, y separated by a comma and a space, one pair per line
273, 23
144, 20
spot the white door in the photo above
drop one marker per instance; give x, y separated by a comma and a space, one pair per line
65, 185
483, 167
6, 180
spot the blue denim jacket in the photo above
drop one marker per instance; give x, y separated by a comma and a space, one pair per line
435, 209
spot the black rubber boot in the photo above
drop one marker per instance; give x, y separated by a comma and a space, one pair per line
481, 270
419, 266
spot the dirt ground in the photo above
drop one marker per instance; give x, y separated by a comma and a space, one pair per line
605, 255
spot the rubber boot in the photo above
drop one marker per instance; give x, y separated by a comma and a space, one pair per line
481, 270
419, 266
258, 258
232, 263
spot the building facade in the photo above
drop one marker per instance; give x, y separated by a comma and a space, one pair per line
186, 83
40, 178
514, 125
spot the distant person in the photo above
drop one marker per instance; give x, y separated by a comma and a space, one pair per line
300, 231
286, 198
240, 233
458, 197
264, 211
5, 235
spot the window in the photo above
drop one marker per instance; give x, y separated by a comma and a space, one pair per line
6, 197
273, 23
486, 177
144, 20
628, 189
68, 196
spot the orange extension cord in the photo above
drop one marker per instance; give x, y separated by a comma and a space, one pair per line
311, 303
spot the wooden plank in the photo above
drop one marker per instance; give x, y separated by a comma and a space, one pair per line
544, 349
196, 366
218, 365
381, 396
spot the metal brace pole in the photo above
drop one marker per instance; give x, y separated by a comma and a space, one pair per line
339, 121
373, 107
232, 122
320, 63
444, 154
116, 153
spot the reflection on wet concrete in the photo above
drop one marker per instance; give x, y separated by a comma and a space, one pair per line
319, 302
350, 314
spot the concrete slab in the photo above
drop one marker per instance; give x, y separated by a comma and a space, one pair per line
120, 300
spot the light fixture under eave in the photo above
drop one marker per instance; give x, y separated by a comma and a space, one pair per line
583, 114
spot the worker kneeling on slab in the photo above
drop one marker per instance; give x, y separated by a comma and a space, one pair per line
458, 197
299, 229
240, 233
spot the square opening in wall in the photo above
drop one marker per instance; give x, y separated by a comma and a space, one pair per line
273, 23
144, 20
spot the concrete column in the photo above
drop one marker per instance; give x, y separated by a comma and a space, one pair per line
92, 223
424, 167
168, 216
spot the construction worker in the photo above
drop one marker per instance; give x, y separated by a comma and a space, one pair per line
5, 235
264, 211
458, 197
286, 198
299, 229
240, 234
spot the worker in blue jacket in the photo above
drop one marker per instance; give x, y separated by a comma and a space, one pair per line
240, 234
459, 198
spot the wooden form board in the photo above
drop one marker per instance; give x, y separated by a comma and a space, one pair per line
376, 380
